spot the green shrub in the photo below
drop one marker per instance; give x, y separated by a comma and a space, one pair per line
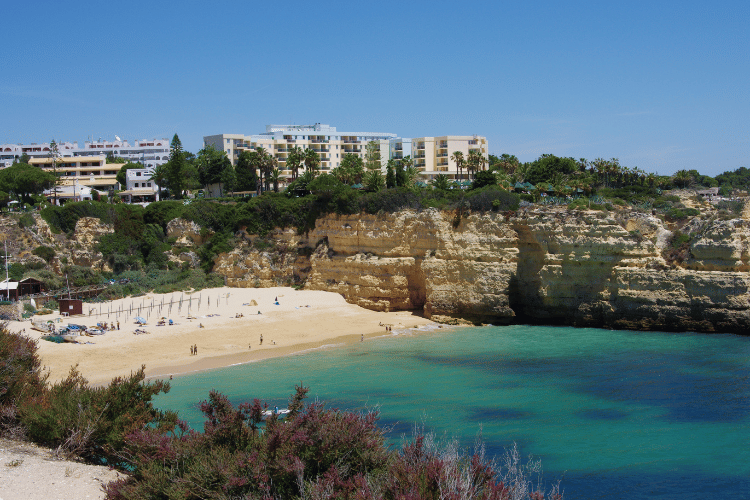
492, 198
682, 213
47, 253
93, 422
26, 220
15, 271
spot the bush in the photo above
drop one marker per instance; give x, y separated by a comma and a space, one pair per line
47, 253
26, 220
21, 375
679, 248
491, 198
682, 213
315, 453
93, 422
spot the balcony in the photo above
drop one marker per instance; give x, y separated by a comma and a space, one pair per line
419, 155
442, 155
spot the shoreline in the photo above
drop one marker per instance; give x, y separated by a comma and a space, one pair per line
227, 332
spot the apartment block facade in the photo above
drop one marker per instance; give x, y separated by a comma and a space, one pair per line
150, 153
431, 155
90, 171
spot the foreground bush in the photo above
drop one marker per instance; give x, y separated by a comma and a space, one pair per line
315, 453
92, 422
20, 375
78, 420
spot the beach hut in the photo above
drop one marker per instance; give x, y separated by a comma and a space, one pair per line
70, 307
29, 286
8, 290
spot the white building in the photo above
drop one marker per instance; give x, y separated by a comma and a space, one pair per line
139, 188
330, 144
150, 153
431, 155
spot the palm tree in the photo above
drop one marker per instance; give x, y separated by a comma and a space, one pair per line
475, 162
411, 175
311, 160
275, 176
682, 178
294, 160
458, 159
441, 182
373, 180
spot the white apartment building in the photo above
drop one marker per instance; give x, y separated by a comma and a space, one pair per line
330, 144
12, 152
139, 188
431, 155
150, 153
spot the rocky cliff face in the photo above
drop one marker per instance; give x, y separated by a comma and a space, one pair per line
543, 265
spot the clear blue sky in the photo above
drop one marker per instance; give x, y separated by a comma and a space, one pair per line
661, 85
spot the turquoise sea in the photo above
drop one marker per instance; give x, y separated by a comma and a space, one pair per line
613, 414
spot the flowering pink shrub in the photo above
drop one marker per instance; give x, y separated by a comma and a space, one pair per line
315, 453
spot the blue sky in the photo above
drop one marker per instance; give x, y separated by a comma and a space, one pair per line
661, 85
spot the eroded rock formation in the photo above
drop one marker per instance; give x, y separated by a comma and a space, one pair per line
583, 268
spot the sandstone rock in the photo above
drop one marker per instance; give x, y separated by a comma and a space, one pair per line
187, 233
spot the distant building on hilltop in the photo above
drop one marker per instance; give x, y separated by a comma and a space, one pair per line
150, 153
431, 155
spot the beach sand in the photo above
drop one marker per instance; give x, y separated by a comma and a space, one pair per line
302, 320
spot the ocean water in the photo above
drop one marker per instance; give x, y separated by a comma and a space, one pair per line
612, 414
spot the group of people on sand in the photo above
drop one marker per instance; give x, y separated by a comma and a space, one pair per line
194, 350
107, 326
388, 328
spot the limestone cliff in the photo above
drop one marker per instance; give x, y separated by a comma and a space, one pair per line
555, 266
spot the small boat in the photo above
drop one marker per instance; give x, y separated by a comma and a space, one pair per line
41, 326
280, 413
71, 337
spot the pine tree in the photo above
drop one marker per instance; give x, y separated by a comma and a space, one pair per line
176, 167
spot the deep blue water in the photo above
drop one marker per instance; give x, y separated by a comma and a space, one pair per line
613, 414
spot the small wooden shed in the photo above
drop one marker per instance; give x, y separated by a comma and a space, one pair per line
29, 286
70, 307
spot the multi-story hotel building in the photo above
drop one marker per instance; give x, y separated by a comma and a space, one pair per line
150, 153
91, 171
330, 144
431, 155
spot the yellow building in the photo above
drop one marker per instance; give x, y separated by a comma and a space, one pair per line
91, 171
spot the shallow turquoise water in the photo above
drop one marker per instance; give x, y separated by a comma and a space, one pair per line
614, 414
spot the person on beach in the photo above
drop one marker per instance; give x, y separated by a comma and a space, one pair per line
362, 338
195, 349
191, 350
118, 325
261, 339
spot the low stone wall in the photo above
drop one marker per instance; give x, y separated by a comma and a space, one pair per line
11, 311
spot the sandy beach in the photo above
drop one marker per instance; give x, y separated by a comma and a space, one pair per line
289, 320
